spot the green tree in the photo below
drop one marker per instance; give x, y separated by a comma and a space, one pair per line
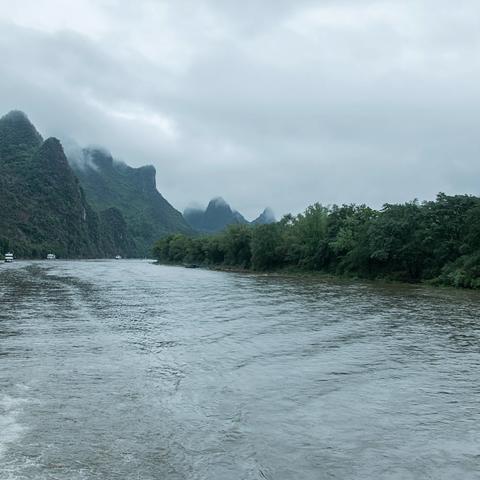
236, 245
267, 247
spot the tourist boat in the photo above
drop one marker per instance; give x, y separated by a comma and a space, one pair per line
118, 257
51, 256
9, 257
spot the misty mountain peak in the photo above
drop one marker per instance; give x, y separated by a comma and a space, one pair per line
215, 217
98, 158
266, 217
16, 116
146, 176
218, 202
16, 131
53, 144
51, 157
52, 148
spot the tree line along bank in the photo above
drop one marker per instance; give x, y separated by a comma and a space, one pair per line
436, 241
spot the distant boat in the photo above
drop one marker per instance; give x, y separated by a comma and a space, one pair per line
191, 265
9, 257
118, 257
51, 256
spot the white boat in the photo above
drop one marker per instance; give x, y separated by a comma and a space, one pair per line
51, 256
118, 257
9, 257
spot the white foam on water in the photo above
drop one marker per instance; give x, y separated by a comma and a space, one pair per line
10, 427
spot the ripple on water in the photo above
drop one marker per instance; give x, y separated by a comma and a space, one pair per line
130, 370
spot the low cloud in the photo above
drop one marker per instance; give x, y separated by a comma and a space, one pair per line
265, 103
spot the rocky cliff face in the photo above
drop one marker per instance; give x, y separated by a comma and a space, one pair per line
132, 191
95, 207
43, 205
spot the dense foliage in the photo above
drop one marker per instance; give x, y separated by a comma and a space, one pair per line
437, 241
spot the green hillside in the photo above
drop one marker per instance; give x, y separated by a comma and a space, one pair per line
97, 209
43, 206
132, 191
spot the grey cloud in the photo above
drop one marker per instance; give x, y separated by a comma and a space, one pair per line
265, 103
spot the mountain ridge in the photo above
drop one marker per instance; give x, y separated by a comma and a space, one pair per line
43, 204
48, 206
109, 183
219, 214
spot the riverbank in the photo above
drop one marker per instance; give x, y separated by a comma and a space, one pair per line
436, 242
325, 276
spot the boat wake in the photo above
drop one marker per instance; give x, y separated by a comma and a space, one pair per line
10, 426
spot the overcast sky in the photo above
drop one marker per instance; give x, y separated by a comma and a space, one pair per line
264, 102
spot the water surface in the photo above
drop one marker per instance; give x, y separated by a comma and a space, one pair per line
128, 370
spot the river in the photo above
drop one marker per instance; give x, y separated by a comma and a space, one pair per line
129, 370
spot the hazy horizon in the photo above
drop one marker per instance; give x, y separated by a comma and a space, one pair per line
279, 104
